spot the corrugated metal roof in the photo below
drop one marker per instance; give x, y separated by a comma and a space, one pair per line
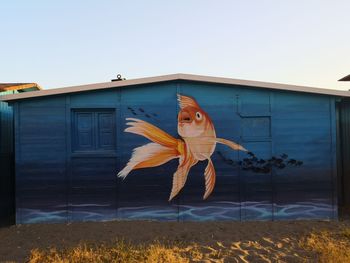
172, 77
346, 78
19, 86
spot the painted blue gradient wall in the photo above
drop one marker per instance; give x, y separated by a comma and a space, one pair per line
54, 183
6, 162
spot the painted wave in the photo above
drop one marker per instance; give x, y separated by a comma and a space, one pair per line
228, 211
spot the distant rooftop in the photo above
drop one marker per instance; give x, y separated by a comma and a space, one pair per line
19, 86
346, 78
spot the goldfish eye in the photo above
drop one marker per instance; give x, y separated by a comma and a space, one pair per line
198, 115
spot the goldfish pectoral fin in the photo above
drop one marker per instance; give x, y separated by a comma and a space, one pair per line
231, 144
148, 155
151, 132
180, 176
210, 178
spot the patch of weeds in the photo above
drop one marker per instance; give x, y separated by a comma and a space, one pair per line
121, 252
329, 247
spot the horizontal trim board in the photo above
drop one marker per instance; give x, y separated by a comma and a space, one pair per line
174, 77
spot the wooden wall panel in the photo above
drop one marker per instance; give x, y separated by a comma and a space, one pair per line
41, 160
269, 124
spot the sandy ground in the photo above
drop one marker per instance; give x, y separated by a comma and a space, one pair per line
252, 241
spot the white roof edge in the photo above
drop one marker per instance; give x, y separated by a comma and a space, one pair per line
171, 77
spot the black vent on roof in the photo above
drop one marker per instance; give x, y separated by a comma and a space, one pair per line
346, 78
119, 78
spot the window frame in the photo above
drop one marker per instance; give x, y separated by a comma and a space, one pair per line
76, 151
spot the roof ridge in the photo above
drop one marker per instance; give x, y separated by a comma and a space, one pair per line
173, 77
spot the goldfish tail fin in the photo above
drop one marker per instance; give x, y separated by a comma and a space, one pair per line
148, 155
231, 144
210, 178
180, 176
151, 132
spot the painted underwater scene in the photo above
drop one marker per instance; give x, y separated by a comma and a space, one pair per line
179, 155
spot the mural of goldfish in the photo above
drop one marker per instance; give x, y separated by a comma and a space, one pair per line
197, 143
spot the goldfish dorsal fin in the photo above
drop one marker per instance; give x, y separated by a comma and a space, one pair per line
186, 101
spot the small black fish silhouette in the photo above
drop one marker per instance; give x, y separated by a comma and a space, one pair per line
281, 166
229, 161
261, 165
266, 170
292, 161
284, 156
142, 110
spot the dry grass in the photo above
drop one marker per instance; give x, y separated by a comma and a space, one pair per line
120, 252
330, 247
323, 246
247, 251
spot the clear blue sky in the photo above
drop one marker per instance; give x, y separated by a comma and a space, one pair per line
71, 42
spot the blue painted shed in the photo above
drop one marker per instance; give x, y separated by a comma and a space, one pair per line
7, 206
176, 147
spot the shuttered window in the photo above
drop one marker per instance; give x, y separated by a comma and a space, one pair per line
93, 130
